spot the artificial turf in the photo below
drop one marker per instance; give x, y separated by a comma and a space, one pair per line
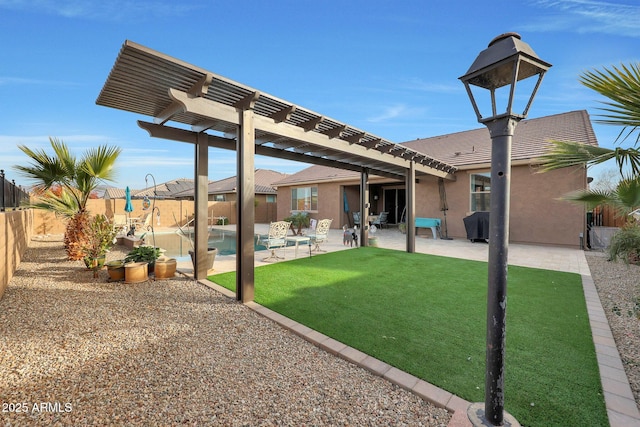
426, 315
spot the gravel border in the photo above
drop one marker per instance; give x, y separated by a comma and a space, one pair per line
75, 350
618, 286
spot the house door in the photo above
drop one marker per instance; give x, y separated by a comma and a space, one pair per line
394, 202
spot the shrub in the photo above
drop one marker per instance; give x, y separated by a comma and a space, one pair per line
625, 244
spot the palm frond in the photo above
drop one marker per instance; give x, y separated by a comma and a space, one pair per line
622, 86
65, 204
590, 198
562, 154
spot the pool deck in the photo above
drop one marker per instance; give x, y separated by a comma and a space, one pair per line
621, 406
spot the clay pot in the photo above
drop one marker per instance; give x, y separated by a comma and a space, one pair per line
165, 268
136, 272
115, 270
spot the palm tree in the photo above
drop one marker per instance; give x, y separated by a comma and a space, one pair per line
622, 86
76, 180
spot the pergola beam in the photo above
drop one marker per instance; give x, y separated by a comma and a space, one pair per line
215, 110
182, 135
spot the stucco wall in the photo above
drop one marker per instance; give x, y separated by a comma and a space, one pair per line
538, 216
47, 223
15, 231
330, 204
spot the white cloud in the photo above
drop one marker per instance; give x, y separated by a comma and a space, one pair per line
389, 113
111, 10
589, 16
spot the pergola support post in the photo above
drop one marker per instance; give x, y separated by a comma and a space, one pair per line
364, 207
245, 252
410, 185
201, 243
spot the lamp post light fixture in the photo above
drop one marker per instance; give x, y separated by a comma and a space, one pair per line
506, 61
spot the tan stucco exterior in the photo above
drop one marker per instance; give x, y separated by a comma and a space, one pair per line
538, 215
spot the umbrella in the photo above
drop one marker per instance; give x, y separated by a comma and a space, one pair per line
345, 203
128, 207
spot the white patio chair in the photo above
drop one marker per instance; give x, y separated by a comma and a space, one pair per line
276, 239
321, 234
120, 223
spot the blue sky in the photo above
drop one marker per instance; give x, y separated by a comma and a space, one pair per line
390, 68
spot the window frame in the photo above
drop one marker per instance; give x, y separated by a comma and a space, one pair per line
310, 196
482, 197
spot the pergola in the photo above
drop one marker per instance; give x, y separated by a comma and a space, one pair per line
208, 110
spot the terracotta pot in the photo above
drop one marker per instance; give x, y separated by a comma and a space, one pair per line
115, 270
136, 272
165, 268
94, 263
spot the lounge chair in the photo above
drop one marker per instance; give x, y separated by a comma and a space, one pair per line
120, 223
276, 239
321, 233
381, 220
142, 223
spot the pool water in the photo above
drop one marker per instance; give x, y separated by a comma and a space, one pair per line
177, 245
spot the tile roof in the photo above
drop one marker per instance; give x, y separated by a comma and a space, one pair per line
165, 190
264, 178
472, 148
531, 139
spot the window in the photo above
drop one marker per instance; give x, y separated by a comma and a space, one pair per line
271, 198
219, 198
304, 199
480, 191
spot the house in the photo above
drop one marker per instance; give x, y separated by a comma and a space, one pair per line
225, 190
538, 215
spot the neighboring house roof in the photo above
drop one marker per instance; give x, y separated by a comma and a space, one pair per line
264, 178
114, 193
470, 149
318, 174
530, 141
165, 190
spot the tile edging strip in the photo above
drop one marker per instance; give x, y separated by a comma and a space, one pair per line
622, 409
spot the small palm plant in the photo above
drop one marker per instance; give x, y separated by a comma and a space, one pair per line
298, 220
66, 183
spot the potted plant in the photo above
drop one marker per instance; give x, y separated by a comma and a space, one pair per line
99, 236
115, 269
298, 220
209, 260
143, 253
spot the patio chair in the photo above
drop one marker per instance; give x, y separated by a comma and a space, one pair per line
356, 218
381, 220
276, 239
142, 223
120, 223
321, 233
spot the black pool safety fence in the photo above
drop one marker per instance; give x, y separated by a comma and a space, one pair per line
12, 196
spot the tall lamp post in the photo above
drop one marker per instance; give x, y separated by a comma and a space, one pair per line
506, 61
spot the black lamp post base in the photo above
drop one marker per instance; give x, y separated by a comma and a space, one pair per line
475, 412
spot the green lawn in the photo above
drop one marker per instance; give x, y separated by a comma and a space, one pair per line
425, 315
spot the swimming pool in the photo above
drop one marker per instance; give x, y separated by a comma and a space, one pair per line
177, 245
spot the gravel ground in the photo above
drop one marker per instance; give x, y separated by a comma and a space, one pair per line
618, 286
75, 350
